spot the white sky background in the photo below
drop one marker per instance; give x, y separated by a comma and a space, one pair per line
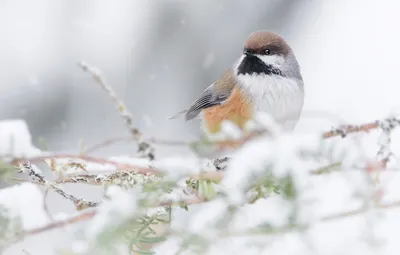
348, 50
349, 57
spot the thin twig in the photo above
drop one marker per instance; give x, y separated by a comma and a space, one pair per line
327, 169
61, 223
193, 201
342, 131
358, 211
348, 129
80, 204
145, 148
108, 142
291, 228
117, 165
158, 141
90, 214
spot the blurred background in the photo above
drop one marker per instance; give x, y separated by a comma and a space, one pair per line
159, 55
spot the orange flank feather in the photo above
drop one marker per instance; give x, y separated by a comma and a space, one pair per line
236, 109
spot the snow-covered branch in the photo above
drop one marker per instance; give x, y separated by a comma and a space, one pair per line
280, 184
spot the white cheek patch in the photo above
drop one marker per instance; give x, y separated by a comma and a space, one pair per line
237, 64
274, 60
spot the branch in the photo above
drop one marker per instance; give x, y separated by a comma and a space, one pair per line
158, 141
345, 214
333, 167
90, 214
61, 223
348, 129
342, 131
145, 148
80, 203
102, 179
117, 165
290, 228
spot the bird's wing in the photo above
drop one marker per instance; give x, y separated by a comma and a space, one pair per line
215, 94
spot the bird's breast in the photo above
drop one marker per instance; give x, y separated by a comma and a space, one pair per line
279, 96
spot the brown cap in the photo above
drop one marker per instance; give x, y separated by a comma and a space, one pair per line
261, 40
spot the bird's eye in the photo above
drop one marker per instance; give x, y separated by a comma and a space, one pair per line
267, 51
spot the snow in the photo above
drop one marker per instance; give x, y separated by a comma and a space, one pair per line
178, 166
207, 217
230, 130
16, 140
254, 215
79, 247
113, 211
266, 122
24, 202
250, 161
169, 247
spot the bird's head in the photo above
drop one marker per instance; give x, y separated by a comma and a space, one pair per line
266, 53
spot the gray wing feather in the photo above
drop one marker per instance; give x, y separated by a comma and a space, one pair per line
210, 97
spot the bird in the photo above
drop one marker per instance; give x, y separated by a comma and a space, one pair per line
266, 78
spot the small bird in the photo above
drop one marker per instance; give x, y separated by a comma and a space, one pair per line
266, 79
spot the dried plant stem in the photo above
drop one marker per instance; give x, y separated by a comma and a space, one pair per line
145, 148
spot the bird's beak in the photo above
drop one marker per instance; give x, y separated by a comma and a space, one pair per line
248, 52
